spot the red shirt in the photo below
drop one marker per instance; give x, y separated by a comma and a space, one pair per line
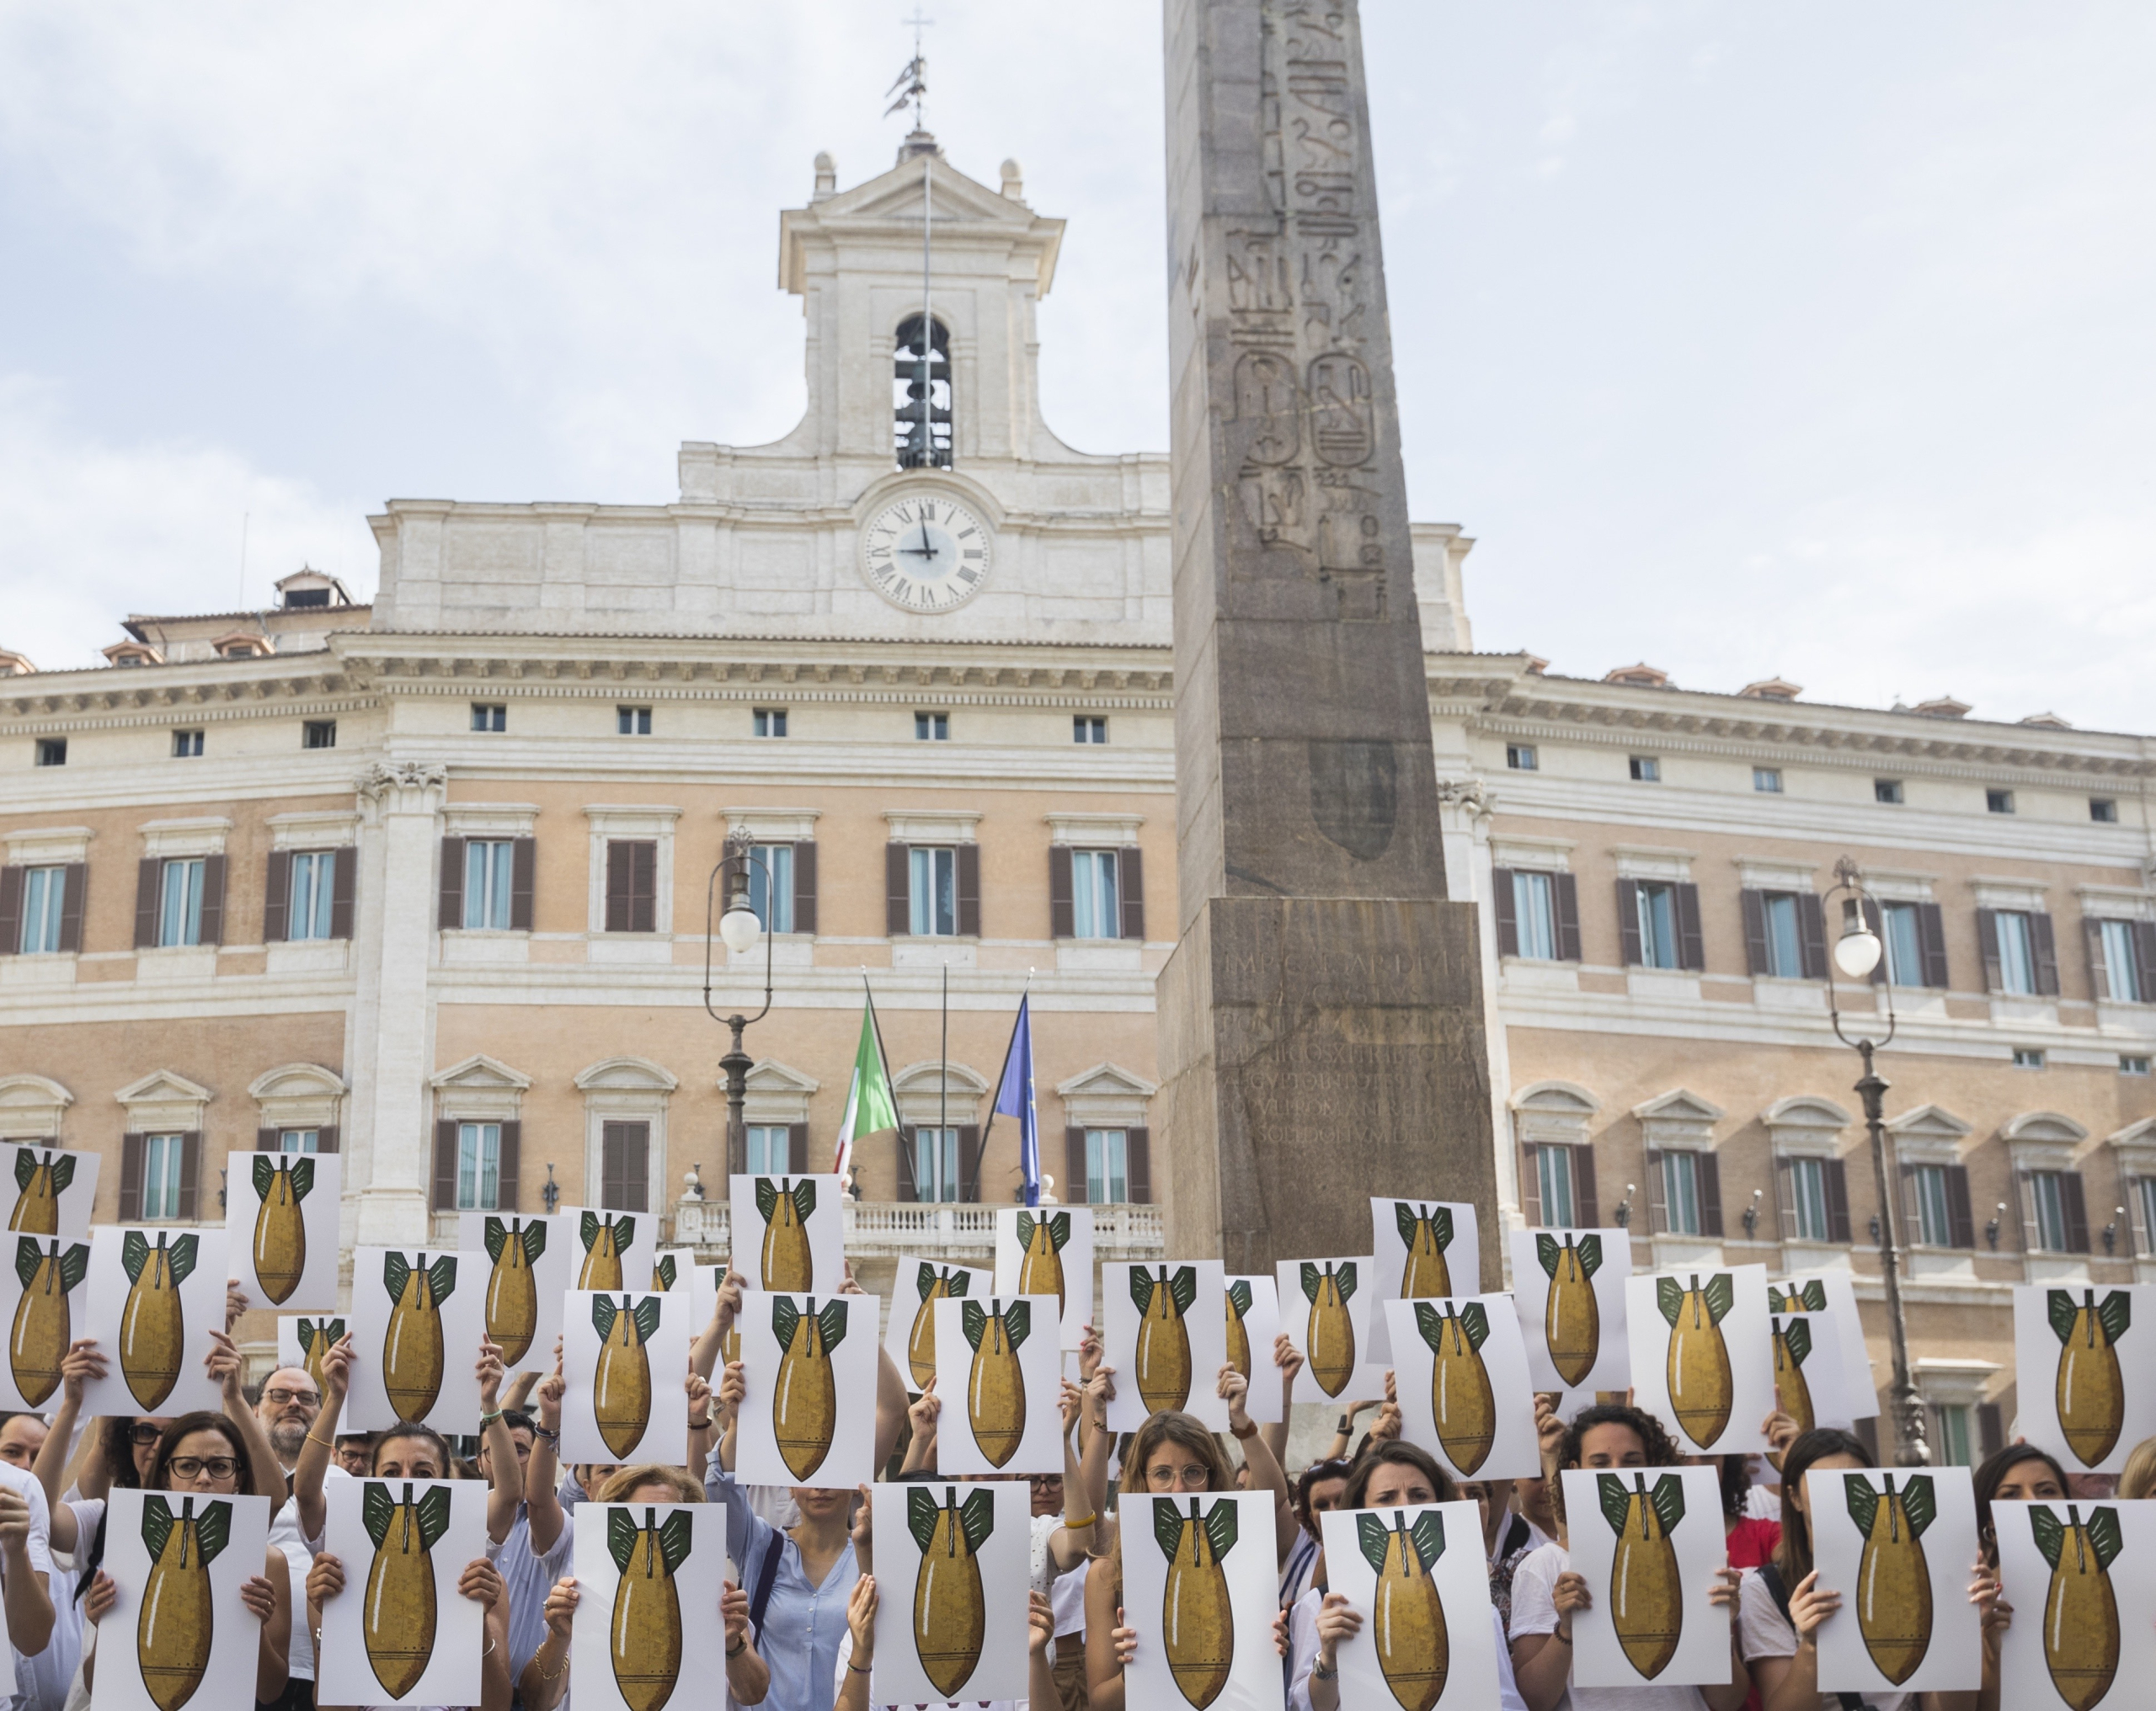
1752, 1542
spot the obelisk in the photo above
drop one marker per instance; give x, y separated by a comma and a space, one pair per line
1320, 1028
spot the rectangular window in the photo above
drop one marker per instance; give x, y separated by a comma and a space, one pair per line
44, 891
2048, 1201
2134, 1064
1658, 906
318, 733
768, 721
1951, 1438
52, 751
478, 1166
490, 865
1887, 790
1807, 1190
1553, 1176
770, 1149
632, 885
1768, 779
1086, 729
489, 716
1096, 909
1108, 1170
771, 887
180, 911
1647, 769
1784, 943
2103, 810
1535, 913
2128, 980
314, 884
186, 744
1999, 802
935, 885
2017, 954
1522, 758
299, 1140
932, 728
1934, 1224
935, 1164
633, 721
2028, 1057
1680, 1189
162, 1156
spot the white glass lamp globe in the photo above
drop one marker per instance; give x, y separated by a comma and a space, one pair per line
1857, 951
740, 929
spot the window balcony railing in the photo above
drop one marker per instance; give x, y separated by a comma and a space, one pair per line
961, 1230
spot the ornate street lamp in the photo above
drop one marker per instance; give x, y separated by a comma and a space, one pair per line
1856, 955
738, 929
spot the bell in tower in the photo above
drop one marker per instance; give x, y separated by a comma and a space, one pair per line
922, 394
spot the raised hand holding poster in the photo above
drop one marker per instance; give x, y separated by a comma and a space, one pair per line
1418, 1577
1166, 1343
1326, 1311
1898, 1546
1200, 1587
1461, 1374
1421, 1249
625, 1359
41, 1298
53, 1190
1254, 1328
302, 1340
155, 1296
1834, 1292
1649, 1543
1000, 1375
1568, 1291
920, 1284
1702, 1358
2081, 1580
2086, 1363
529, 1267
281, 1227
177, 1631
400, 1632
1048, 1251
650, 1577
417, 1321
951, 1581
800, 1354
789, 1233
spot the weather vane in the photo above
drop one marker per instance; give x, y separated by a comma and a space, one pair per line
911, 84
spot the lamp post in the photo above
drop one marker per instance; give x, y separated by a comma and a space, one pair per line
739, 929
1856, 954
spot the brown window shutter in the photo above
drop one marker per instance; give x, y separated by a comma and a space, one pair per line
624, 1164
1130, 864
1912, 1224
2073, 1201
1566, 889
344, 886
445, 1165
1075, 1190
797, 1148
2045, 944
269, 1140
1812, 934
1710, 1168
1507, 907
149, 877
74, 888
277, 899
643, 876
523, 875
1062, 913
1867, 1434
804, 888
969, 891
898, 894
2144, 955
1838, 1200
905, 1142
1628, 923
1657, 1196
1530, 1185
1691, 943
190, 1172
2027, 1182
509, 1167
636, 1169
130, 1179
1138, 1164
2137, 1216
1786, 1197
969, 1161
1961, 1220
10, 910
325, 1138
2092, 933
1876, 919
451, 914
213, 900
1931, 933
1987, 942
1753, 903
618, 883
1586, 1206
1991, 1430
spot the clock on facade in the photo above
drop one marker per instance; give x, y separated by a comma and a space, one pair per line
926, 553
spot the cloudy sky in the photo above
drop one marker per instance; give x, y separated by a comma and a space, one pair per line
1811, 339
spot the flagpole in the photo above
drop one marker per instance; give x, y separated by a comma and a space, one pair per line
1009, 1047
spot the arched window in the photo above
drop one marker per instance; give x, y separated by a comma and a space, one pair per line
920, 396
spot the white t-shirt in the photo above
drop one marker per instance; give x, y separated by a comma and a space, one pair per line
1066, 1591
1534, 1611
1302, 1653
285, 1536
1763, 1632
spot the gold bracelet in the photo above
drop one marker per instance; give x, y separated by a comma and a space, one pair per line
557, 1676
1074, 1525
323, 1441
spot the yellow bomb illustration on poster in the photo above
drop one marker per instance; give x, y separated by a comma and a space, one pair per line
1325, 1309
400, 1633
1900, 1542
1253, 1327
1702, 1355
909, 1340
1461, 1372
1649, 1541
54, 1190
154, 1295
1568, 1293
1427, 1643
1810, 1383
530, 1263
1833, 1293
1420, 1251
280, 1228
1200, 1586
42, 1302
1166, 1341
178, 1635
2086, 1362
950, 1574
416, 1318
654, 1574
2089, 1570
999, 1376
788, 1233
303, 1338
807, 1360
625, 1358
1048, 1251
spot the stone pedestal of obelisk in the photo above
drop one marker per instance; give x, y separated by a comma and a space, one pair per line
1320, 1020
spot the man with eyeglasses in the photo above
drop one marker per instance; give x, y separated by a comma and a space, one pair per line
291, 1401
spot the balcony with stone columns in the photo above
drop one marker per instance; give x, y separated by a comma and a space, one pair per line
957, 1232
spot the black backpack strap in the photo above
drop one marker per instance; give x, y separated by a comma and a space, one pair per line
759, 1601
1770, 1577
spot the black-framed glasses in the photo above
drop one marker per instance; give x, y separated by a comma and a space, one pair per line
142, 1432
190, 1466
285, 1398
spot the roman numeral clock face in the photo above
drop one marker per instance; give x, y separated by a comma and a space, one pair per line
926, 553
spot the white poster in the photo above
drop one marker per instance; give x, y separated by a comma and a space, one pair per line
800, 1355
625, 1361
2086, 1363
1048, 1251
1421, 1249
789, 1233
1254, 1328
1166, 1342
1811, 1382
1649, 1543
155, 1296
952, 1578
1702, 1361
1325, 1308
418, 1319
1420, 1580
531, 1264
2081, 1580
42, 1301
303, 1338
54, 1190
650, 1578
610, 1249
1897, 1546
670, 1269
1460, 1371
178, 1631
280, 1228
1568, 1288
400, 1632
1200, 1586
910, 1339
1000, 1378
1834, 1292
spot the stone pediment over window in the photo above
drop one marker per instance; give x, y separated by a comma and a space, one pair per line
31, 1105
162, 1102
480, 1089
626, 1075
917, 1089
480, 1070
1929, 1135
1680, 1118
1806, 1123
1106, 1096
1553, 1114
297, 1096
2043, 1140
777, 1093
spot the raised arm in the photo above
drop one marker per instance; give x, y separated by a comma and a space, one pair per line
543, 1505
711, 1341
313, 1465
506, 1490
223, 1364
1289, 1360
82, 1362
27, 1598
1265, 1470
1071, 1543
921, 1449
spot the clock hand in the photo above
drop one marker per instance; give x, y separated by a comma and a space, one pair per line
927, 550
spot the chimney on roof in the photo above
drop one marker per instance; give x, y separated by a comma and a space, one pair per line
1772, 688
13, 665
1641, 676
2050, 721
1942, 708
309, 586
1536, 665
